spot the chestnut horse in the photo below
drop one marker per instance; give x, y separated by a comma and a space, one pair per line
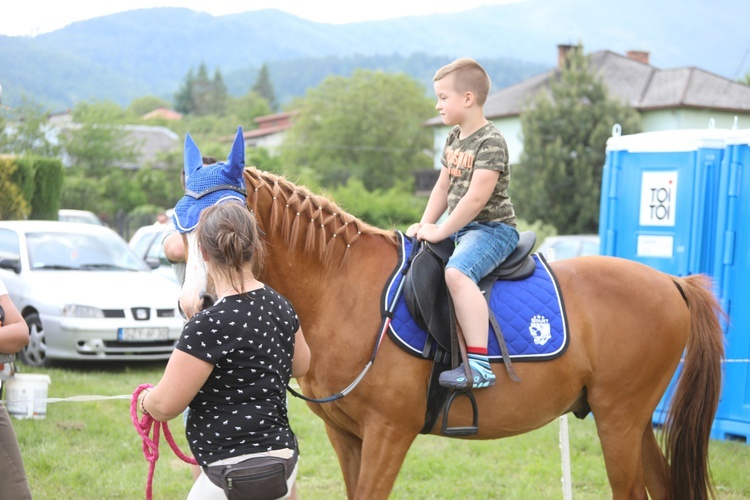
629, 326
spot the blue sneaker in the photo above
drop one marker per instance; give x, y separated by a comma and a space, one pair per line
456, 378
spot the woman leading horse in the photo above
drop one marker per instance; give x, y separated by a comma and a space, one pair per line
628, 324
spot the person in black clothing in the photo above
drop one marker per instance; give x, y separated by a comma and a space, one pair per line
234, 359
14, 336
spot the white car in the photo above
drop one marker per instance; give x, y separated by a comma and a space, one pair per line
71, 215
570, 245
147, 244
85, 295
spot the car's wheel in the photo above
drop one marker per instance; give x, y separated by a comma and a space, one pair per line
35, 354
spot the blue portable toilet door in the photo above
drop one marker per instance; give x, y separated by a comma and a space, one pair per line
658, 199
658, 226
731, 277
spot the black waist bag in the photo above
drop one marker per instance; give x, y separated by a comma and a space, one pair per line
256, 478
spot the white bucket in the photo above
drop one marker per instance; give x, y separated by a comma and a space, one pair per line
26, 395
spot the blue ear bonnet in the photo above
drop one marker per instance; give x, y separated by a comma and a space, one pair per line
207, 185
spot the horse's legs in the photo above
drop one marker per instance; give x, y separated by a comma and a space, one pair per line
348, 449
655, 467
383, 453
621, 438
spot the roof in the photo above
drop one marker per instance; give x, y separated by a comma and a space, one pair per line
151, 141
167, 114
271, 124
645, 87
274, 119
635, 83
678, 140
262, 132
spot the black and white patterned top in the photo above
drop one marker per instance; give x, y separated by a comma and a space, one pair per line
241, 408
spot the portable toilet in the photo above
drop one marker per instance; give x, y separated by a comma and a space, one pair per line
731, 271
658, 199
659, 203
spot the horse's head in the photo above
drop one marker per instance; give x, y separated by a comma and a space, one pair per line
205, 185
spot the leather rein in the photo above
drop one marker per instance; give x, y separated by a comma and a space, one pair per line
387, 318
208, 300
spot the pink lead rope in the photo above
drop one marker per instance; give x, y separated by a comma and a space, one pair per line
151, 446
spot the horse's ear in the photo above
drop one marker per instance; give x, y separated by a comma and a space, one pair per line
235, 164
193, 159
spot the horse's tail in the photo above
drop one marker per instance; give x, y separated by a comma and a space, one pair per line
696, 398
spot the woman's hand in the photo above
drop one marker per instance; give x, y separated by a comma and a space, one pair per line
139, 404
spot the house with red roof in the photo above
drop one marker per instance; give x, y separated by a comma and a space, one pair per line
270, 131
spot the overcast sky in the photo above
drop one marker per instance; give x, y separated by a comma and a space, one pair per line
30, 17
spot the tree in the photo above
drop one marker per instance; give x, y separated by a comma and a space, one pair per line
183, 99
248, 107
201, 95
94, 142
12, 203
264, 87
25, 131
201, 92
96, 149
142, 105
217, 96
367, 126
565, 133
394, 207
745, 79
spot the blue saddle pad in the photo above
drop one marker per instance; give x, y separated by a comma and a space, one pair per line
530, 312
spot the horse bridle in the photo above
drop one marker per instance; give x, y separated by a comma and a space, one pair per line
213, 189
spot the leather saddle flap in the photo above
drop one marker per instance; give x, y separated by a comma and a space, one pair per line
425, 292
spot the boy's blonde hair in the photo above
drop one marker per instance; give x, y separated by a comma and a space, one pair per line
470, 76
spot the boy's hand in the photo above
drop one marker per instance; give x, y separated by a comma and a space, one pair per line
431, 233
413, 230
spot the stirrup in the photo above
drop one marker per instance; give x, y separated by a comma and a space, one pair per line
467, 430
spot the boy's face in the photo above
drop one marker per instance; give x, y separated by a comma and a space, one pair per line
450, 104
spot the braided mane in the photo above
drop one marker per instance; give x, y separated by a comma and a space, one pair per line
296, 213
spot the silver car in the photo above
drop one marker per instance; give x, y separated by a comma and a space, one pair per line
85, 295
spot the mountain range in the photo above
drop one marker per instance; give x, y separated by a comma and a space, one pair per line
149, 51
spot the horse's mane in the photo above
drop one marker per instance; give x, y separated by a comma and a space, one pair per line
296, 212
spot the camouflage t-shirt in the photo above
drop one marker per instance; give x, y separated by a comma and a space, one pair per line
485, 148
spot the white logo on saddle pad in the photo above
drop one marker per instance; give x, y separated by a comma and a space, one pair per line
539, 329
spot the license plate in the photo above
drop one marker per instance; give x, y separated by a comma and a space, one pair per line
141, 334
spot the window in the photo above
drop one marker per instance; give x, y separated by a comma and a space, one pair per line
9, 245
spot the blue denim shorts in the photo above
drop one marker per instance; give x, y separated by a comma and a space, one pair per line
481, 247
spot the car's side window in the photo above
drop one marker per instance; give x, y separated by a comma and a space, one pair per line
142, 245
154, 250
9, 245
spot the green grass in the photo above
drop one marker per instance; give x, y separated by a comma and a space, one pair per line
90, 450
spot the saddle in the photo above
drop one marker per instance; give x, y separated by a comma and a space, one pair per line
426, 293
429, 303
